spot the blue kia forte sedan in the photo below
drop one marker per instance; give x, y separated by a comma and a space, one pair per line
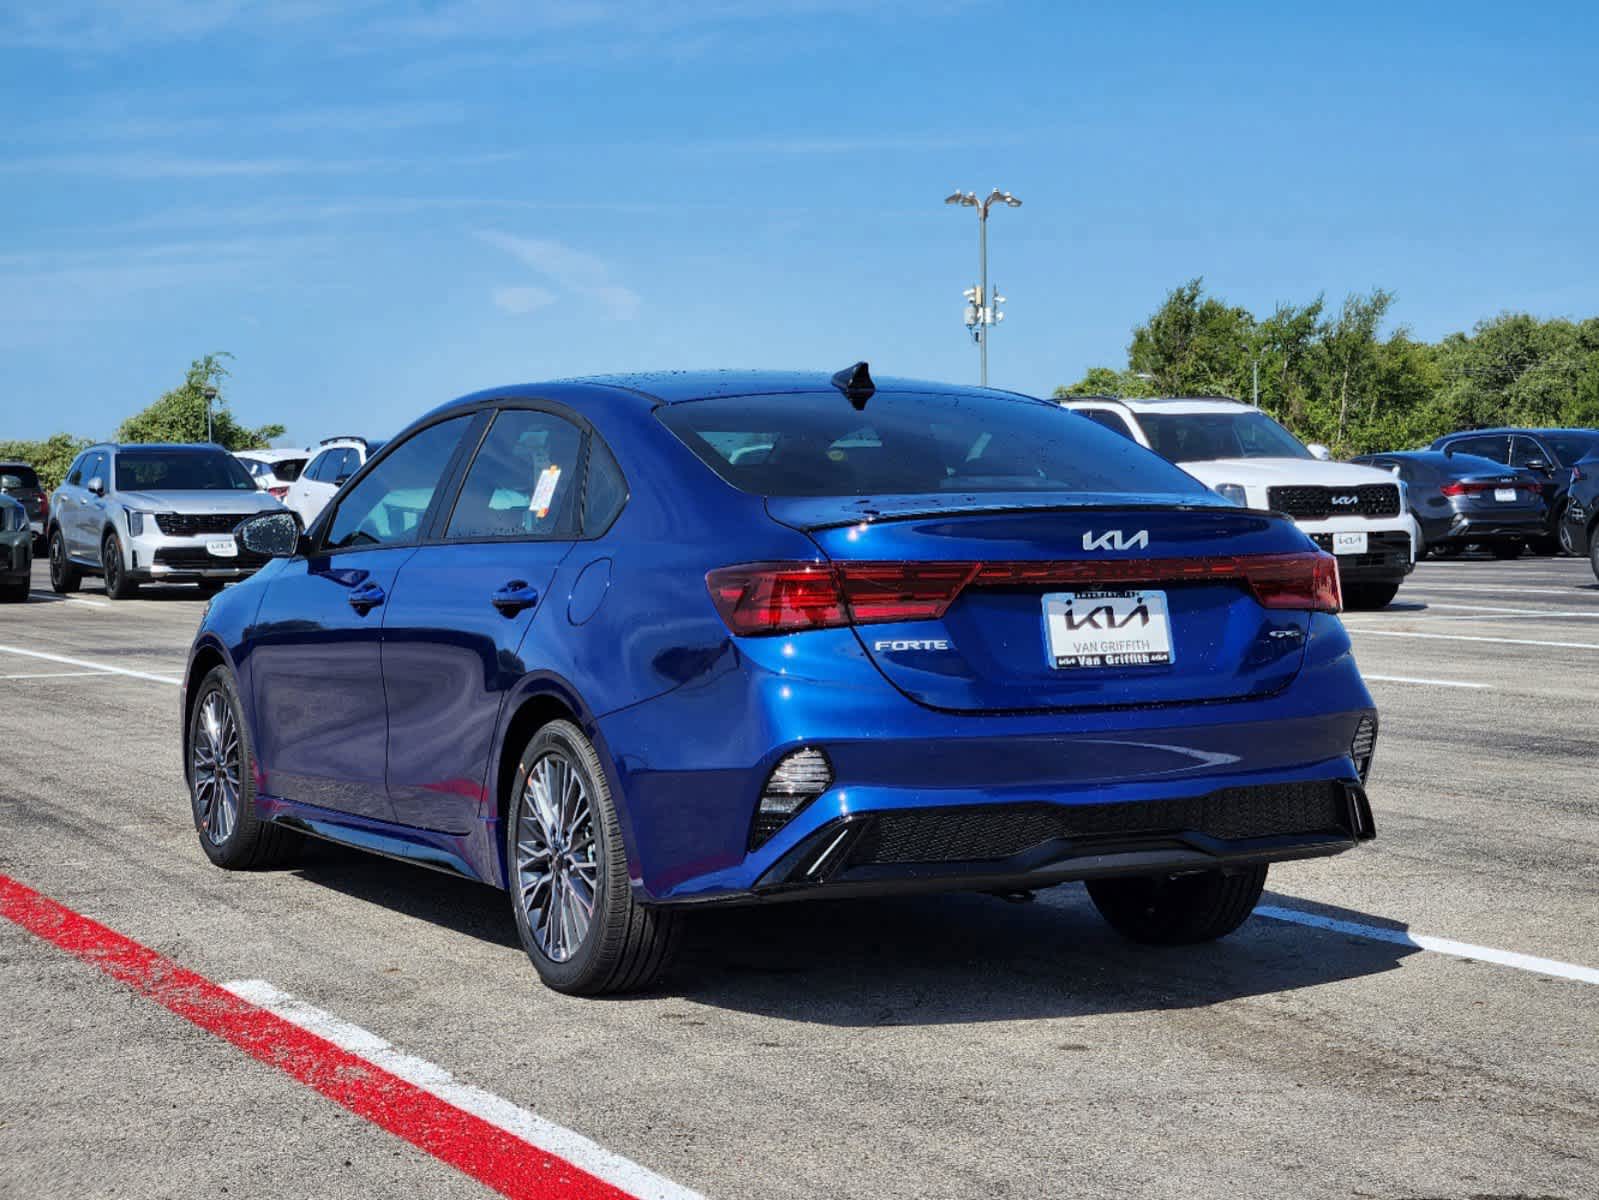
623, 646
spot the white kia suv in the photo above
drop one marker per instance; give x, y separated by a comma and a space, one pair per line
1357, 513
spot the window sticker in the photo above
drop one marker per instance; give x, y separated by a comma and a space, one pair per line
545, 491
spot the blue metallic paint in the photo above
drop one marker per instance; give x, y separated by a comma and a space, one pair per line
406, 709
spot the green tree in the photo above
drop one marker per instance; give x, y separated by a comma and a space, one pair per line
1193, 344
50, 458
179, 415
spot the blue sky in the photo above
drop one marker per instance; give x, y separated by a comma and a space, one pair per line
376, 207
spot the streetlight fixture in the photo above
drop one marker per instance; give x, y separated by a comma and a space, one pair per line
982, 305
210, 394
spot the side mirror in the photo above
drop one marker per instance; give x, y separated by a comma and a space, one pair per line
274, 534
97, 485
1317, 450
1540, 465
10, 483
342, 480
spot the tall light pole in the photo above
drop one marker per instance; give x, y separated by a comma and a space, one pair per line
982, 306
210, 394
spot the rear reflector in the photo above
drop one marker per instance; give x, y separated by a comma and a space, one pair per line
757, 599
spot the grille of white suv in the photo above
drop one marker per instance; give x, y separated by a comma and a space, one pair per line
1363, 500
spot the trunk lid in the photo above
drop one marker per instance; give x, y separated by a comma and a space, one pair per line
993, 649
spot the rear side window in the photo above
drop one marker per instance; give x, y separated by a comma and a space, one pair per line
817, 444
604, 491
288, 469
387, 506
24, 474
523, 482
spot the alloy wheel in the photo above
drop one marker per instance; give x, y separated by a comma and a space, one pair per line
111, 562
215, 761
58, 561
557, 861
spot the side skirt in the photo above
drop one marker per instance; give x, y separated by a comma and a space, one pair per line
451, 854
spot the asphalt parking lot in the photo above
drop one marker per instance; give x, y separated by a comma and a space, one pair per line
1364, 1040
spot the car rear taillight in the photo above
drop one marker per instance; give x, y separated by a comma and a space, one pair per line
44, 504
1458, 487
278, 493
759, 599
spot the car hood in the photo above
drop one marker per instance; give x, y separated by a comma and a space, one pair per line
199, 503
1279, 471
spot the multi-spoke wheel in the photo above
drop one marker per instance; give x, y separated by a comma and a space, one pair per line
557, 871
215, 770
64, 573
573, 902
221, 770
117, 584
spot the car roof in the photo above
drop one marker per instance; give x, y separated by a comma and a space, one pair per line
194, 447
273, 454
649, 389
1497, 429
1168, 404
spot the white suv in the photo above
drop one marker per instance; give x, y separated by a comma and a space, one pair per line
1358, 513
335, 460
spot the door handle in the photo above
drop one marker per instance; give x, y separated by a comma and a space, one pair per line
514, 597
365, 597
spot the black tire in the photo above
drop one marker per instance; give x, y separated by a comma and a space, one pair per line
1593, 551
626, 945
1565, 536
1506, 550
246, 842
14, 591
64, 575
1175, 910
117, 584
1366, 596
1446, 550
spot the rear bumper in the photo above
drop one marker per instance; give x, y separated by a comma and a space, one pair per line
1464, 527
877, 853
688, 804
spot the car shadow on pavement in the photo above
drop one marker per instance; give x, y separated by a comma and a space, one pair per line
963, 958
459, 905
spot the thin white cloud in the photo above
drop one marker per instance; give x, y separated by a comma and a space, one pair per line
576, 270
104, 121
177, 166
519, 300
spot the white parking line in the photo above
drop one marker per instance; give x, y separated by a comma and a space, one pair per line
1454, 683
1421, 941
55, 599
80, 662
54, 675
1466, 637
539, 1133
1418, 585
1591, 613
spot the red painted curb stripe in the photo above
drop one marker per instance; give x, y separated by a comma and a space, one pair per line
466, 1142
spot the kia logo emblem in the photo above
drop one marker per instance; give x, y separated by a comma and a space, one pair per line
1115, 539
1346, 500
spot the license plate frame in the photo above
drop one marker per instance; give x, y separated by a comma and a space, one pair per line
1505, 495
1108, 630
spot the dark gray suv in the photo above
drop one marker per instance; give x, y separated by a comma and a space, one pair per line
143, 513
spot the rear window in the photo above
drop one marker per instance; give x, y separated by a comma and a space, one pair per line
25, 474
1572, 446
180, 471
288, 469
817, 444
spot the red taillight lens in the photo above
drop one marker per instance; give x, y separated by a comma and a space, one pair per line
764, 598
1297, 581
44, 504
911, 591
769, 598
278, 493
1535, 488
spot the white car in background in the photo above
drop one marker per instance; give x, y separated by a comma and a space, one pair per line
273, 470
1359, 514
333, 461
